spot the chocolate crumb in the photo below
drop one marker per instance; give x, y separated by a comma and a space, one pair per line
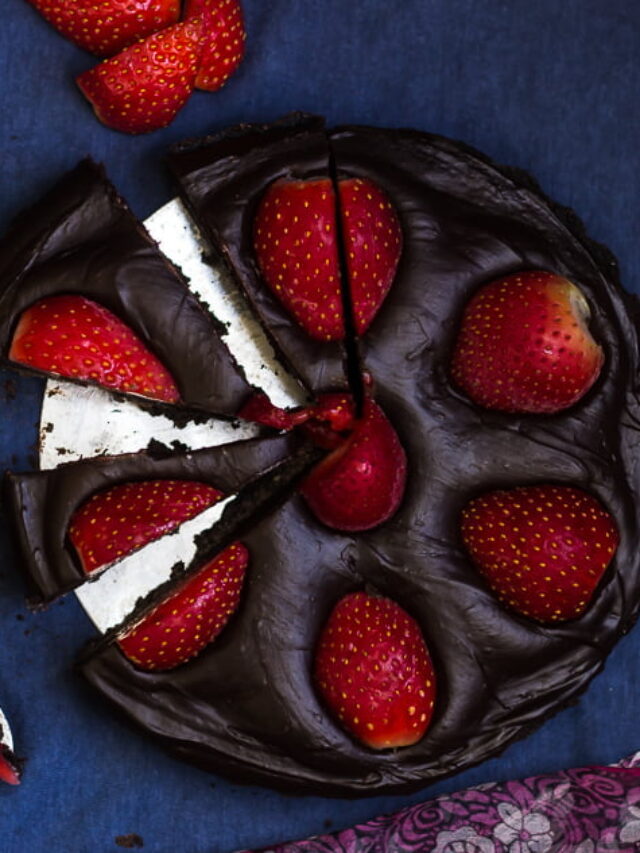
129, 841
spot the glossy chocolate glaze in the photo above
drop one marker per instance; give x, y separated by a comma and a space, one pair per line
247, 705
221, 180
82, 238
43, 502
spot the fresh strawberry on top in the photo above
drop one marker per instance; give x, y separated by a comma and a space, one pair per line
373, 670
117, 521
542, 549
105, 27
296, 245
75, 337
181, 627
223, 40
373, 245
524, 345
361, 483
9, 770
144, 87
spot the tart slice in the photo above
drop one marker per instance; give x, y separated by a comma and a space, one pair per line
86, 294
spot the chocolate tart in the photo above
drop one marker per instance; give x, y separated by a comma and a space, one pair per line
82, 238
247, 705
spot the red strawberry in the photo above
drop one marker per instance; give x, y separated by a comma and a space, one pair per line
373, 244
542, 549
374, 671
223, 40
105, 27
361, 483
114, 522
144, 87
181, 627
296, 246
74, 337
9, 771
524, 345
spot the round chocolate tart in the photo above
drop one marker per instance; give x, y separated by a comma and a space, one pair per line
247, 706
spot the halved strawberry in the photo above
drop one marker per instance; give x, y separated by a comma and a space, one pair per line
181, 627
119, 520
373, 670
373, 244
75, 337
542, 549
295, 240
361, 483
105, 27
223, 40
144, 87
9, 769
524, 345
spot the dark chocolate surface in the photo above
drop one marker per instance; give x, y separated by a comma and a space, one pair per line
43, 502
81, 238
254, 711
221, 181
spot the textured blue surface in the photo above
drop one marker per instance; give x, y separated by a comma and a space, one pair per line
550, 87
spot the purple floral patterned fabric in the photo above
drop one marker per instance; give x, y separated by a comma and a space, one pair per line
584, 810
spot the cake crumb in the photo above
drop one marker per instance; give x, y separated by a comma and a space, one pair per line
129, 841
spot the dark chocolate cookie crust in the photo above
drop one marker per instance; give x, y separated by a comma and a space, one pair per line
247, 704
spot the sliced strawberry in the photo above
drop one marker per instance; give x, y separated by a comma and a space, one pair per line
105, 27
295, 243
74, 337
9, 770
373, 244
373, 670
542, 549
119, 520
524, 345
295, 240
223, 40
361, 484
144, 87
181, 627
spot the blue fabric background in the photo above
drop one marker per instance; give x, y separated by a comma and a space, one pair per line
547, 86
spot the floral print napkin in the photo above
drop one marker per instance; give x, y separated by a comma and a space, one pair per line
584, 810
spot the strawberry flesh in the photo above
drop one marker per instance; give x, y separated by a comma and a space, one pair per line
104, 27
184, 624
524, 345
76, 338
119, 520
144, 87
295, 241
373, 670
223, 40
373, 245
9, 770
542, 549
361, 483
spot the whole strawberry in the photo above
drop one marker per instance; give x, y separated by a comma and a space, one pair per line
183, 625
117, 521
296, 245
542, 549
373, 670
145, 86
223, 40
75, 337
524, 345
104, 27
